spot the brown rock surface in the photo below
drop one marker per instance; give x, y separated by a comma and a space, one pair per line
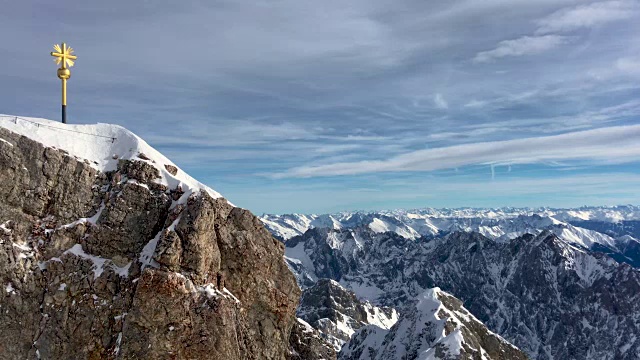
82, 278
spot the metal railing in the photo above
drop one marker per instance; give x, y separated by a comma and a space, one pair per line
16, 118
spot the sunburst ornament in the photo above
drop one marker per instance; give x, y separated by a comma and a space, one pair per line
63, 56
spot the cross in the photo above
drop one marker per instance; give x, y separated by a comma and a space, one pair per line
63, 54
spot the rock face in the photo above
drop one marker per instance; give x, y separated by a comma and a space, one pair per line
117, 265
549, 297
337, 313
308, 343
434, 326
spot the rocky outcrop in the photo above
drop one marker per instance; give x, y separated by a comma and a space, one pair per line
117, 265
337, 313
434, 326
307, 343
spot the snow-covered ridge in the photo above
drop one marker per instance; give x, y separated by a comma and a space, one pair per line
429, 221
501, 225
429, 330
102, 145
337, 313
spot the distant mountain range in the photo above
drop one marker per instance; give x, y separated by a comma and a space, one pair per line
557, 283
614, 230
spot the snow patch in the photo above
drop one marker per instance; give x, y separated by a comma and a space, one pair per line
6, 142
298, 254
9, 288
4, 227
99, 263
146, 256
91, 220
212, 292
102, 145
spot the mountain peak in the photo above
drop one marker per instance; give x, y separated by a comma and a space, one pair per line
108, 250
103, 147
436, 326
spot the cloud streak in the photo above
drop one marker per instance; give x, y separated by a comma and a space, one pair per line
551, 28
620, 144
267, 87
585, 16
526, 45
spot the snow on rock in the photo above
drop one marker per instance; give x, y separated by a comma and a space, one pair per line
102, 145
382, 225
497, 224
307, 328
288, 226
211, 291
436, 326
337, 313
99, 263
9, 288
4, 229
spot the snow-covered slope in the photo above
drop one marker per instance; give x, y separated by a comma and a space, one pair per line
337, 313
437, 326
102, 146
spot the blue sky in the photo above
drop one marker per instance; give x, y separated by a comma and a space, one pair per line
322, 106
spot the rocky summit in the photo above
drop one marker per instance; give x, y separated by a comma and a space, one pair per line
109, 251
434, 326
337, 313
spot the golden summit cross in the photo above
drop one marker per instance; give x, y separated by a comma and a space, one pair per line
63, 56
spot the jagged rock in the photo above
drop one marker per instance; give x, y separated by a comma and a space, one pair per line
134, 212
337, 313
138, 170
36, 181
435, 326
79, 280
171, 169
307, 343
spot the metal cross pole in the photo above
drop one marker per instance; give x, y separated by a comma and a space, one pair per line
64, 57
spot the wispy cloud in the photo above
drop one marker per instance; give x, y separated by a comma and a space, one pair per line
440, 102
594, 145
629, 65
585, 16
526, 45
551, 29
267, 86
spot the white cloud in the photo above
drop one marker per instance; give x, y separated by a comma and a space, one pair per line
235, 133
475, 103
629, 66
584, 16
526, 45
440, 102
619, 144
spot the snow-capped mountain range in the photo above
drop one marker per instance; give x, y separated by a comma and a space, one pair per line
431, 221
550, 297
613, 230
557, 283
